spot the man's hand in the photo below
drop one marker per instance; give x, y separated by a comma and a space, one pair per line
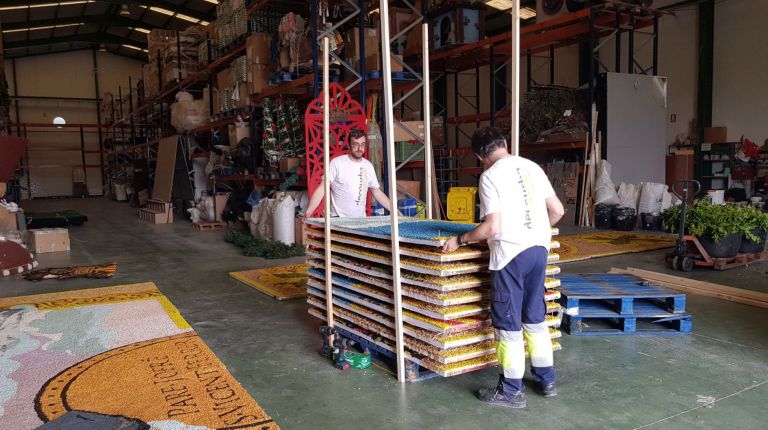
451, 245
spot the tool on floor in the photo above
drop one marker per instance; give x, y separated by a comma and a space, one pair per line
680, 258
342, 345
328, 333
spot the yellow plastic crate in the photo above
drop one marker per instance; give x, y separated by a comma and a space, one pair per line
461, 203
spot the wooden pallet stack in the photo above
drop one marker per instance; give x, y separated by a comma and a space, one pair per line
446, 303
157, 212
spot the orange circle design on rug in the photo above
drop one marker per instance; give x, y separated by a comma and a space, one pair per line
172, 378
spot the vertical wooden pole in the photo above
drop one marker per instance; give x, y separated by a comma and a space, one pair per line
326, 180
428, 162
514, 145
391, 167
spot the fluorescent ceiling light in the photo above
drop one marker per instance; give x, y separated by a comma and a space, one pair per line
212, 1
45, 27
173, 14
527, 13
135, 48
139, 29
52, 4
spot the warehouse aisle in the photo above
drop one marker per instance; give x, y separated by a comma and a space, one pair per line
715, 378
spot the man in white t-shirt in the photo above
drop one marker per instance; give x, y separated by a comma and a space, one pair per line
352, 176
518, 208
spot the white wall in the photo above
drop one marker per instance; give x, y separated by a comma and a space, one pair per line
68, 74
740, 91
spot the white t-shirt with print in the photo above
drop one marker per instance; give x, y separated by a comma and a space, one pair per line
350, 181
517, 189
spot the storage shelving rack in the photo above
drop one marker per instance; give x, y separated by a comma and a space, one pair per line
592, 26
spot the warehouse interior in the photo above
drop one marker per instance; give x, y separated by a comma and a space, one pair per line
161, 269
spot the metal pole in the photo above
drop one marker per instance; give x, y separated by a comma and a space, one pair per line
515, 67
326, 179
428, 161
361, 36
551, 64
655, 46
98, 118
82, 156
591, 77
16, 102
391, 166
492, 70
315, 77
617, 60
178, 55
631, 45
528, 71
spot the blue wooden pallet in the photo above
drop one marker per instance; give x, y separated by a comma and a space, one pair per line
624, 294
597, 319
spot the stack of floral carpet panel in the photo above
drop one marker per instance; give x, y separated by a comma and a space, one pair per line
446, 303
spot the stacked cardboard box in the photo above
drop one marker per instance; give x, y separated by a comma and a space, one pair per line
231, 17
258, 50
371, 43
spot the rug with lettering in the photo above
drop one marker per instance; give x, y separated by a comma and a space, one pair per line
94, 358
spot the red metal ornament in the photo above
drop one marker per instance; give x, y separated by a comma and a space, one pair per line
346, 114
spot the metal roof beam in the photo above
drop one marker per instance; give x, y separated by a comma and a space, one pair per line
112, 21
86, 37
157, 3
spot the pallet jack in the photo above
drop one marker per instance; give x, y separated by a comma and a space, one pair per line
689, 252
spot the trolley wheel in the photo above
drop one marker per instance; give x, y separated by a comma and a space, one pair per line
686, 264
676, 262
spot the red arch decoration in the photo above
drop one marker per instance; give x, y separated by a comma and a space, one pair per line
346, 114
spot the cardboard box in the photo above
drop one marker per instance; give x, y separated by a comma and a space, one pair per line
258, 78
286, 164
715, 135
399, 18
352, 44
224, 79
416, 127
298, 231
49, 240
243, 93
412, 187
258, 48
220, 200
373, 62
238, 132
8, 220
413, 43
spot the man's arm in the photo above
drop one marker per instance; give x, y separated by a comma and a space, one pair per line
555, 209
314, 202
490, 227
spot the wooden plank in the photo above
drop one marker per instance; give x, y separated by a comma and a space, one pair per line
755, 295
720, 292
166, 160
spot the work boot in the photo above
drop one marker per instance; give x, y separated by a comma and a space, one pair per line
548, 390
496, 396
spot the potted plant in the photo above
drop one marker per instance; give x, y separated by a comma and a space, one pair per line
719, 228
756, 226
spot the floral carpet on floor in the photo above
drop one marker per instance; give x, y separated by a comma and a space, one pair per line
605, 243
112, 355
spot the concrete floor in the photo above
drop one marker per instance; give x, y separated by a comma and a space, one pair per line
716, 377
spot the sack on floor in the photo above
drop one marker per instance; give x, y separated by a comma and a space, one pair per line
628, 195
651, 196
605, 191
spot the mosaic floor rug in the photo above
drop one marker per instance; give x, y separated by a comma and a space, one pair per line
281, 283
112, 354
605, 243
